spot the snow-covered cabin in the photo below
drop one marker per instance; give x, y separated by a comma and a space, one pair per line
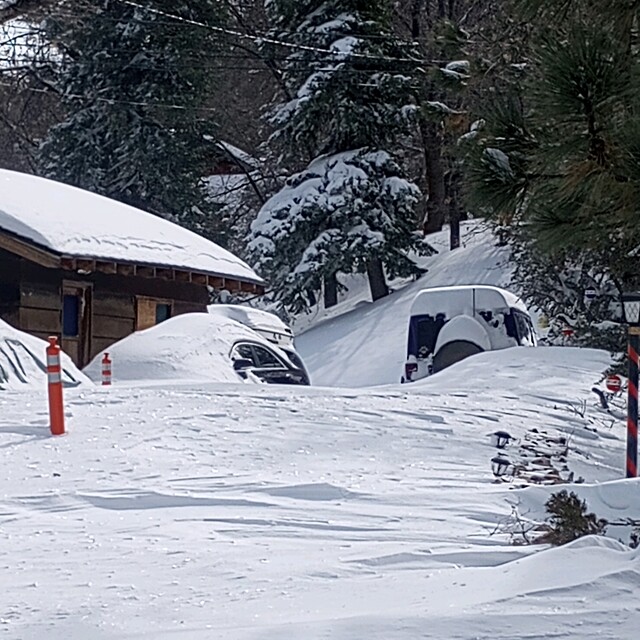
92, 270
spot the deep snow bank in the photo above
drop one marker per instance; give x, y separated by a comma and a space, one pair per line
23, 362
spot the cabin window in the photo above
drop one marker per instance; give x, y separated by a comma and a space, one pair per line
74, 321
70, 315
163, 312
151, 311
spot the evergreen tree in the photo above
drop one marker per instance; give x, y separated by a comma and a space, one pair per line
346, 101
133, 93
558, 155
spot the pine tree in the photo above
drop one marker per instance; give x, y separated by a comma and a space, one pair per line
346, 101
558, 154
133, 92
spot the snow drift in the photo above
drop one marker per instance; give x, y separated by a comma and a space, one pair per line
23, 362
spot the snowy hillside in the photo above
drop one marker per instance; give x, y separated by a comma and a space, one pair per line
359, 344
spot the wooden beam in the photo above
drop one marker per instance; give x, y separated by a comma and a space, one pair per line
199, 278
183, 276
216, 282
106, 267
85, 266
125, 269
146, 272
247, 287
165, 274
26, 250
68, 264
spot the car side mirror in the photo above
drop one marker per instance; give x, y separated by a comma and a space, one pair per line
242, 363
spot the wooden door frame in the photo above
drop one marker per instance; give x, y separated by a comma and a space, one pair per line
85, 320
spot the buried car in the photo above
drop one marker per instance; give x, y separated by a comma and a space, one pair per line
198, 346
271, 328
448, 324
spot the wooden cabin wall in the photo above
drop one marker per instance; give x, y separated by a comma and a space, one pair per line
9, 288
40, 301
34, 297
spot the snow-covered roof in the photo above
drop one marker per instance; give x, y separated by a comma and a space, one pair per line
240, 155
72, 222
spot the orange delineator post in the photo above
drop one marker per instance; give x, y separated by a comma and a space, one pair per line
54, 375
106, 370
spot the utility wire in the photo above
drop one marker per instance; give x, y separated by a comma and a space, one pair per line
266, 39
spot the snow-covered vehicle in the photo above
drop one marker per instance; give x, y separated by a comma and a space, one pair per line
448, 324
199, 346
267, 325
23, 362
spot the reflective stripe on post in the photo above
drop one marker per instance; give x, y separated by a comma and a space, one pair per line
632, 407
106, 370
54, 375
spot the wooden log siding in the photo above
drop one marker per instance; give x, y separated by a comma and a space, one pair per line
40, 308
31, 292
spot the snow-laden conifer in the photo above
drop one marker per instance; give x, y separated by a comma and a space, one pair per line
132, 88
347, 98
337, 215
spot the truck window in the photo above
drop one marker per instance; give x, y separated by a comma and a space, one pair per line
423, 333
524, 328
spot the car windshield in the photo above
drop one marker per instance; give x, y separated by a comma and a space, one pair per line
295, 359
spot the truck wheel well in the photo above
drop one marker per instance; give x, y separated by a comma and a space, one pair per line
453, 352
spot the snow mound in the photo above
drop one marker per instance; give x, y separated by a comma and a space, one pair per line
54, 215
23, 362
193, 346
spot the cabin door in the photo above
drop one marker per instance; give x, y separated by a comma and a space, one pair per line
76, 322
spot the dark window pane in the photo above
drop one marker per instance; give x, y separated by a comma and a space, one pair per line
163, 312
243, 352
293, 356
266, 358
70, 316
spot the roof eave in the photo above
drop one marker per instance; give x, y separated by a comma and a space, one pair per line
45, 257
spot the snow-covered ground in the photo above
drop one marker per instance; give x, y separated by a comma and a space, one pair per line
242, 511
211, 510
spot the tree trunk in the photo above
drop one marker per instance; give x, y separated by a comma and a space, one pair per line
416, 10
432, 143
377, 280
330, 291
454, 230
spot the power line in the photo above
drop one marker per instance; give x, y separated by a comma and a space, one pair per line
266, 39
174, 21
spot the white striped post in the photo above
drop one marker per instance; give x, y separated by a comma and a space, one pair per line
106, 370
